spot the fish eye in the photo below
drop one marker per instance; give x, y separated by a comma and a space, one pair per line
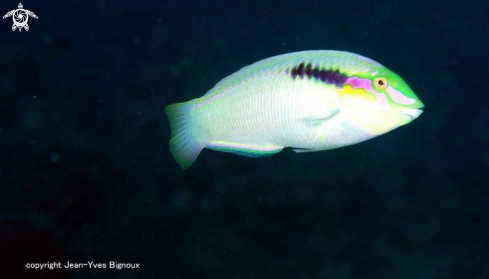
380, 83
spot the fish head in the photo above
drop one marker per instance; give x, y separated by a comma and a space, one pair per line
378, 100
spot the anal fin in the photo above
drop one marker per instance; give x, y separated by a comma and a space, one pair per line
299, 150
249, 150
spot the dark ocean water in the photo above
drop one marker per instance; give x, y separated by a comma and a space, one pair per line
86, 173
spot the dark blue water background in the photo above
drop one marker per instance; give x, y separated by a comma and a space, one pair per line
86, 173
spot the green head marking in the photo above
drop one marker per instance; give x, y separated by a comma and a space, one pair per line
389, 89
378, 99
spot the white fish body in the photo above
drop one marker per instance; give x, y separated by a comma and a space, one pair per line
277, 103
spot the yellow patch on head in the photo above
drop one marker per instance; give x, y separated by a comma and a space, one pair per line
357, 94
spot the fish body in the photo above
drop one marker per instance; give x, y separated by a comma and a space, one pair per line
310, 100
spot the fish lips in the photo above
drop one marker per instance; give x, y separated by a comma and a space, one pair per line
412, 113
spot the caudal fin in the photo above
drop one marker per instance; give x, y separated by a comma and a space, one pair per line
183, 144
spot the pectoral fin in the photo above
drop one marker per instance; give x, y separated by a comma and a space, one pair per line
316, 120
318, 124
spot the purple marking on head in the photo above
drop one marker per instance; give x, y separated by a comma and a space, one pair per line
398, 97
356, 82
366, 84
287, 71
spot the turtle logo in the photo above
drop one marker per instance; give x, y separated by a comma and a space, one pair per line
20, 17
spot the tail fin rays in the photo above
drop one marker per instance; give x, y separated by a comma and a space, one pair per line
183, 144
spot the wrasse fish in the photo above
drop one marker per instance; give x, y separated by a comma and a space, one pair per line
309, 100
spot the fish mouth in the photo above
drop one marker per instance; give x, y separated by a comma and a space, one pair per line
412, 113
